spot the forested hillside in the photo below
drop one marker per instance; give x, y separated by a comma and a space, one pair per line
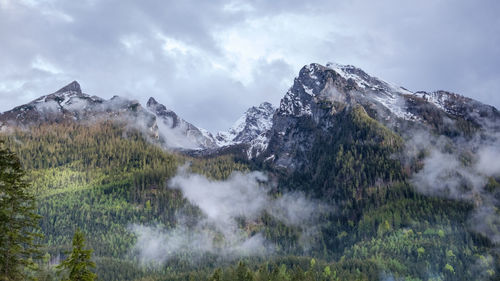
370, 223
351, 178
102, 178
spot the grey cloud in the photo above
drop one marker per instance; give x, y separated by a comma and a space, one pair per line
425, 45
214, 101
155, 246
486, 220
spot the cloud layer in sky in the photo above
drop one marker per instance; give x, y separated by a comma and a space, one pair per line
211, 60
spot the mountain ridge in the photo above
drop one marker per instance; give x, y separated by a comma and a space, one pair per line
318, 91
399, 182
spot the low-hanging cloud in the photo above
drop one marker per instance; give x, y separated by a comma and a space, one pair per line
460, 169
443, 174
488, 162
156, 245
223, 205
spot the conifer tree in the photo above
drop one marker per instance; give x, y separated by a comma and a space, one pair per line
77, 265
19, 222
217, 276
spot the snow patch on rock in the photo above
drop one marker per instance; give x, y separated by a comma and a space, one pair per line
251, 128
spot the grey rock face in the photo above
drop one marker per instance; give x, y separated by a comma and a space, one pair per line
321, 92
70, 104
283, 135
71, 87
257, 121
454, 105
305, 111
178, 133
252, 129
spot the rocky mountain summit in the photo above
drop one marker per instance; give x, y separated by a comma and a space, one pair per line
313, 108
177, 132
251, 129
70, 104
255, 121
308, 110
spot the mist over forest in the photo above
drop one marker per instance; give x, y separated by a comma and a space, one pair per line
249, 140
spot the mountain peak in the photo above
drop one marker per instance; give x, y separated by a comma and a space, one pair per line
342, 85
334, 65
177, 132
151, 102
250, 128
71, 87
159, 108
266, 105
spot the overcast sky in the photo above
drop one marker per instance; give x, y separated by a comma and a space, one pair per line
211, 60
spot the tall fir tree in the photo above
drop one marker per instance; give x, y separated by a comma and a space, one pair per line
19, 222
77, 266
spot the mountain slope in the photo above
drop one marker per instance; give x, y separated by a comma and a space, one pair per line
176, 131
251, 129
70, 104
354, 145
320, 93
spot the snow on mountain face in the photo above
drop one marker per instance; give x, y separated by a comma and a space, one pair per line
338, 85
176, 132
67, 103
251, 128
70, 104
363, 80
68, 98
342, 84
454, 104
320, 92
251, 124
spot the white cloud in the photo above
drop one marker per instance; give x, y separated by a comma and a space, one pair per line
44, 65
488, 163
460, 169
238, 6
176, 47
222, 203
288, 37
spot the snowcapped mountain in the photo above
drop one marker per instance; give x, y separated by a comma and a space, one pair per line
255, 121
459, 106
177, 132
313, 107
251, 128
340, 85
67, 103
309, 110
70, 104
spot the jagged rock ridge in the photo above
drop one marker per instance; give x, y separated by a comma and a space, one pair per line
70, 104
274, 134
252, 129
309, 109
177, 132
